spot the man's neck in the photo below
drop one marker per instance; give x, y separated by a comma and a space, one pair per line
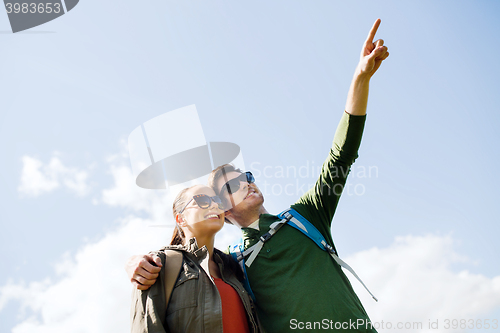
243, 221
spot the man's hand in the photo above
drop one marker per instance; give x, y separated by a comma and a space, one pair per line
373, 53
143, 270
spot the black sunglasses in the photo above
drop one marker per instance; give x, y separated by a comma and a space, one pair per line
204, 201
233, 185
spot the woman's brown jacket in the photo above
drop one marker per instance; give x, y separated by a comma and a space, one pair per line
195, 304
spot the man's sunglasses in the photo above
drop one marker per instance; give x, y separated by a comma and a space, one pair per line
233, 185
204, 201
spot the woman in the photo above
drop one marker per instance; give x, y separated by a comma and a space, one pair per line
208, 295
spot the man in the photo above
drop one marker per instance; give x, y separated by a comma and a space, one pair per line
297, 285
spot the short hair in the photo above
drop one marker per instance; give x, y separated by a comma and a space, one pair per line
217, 173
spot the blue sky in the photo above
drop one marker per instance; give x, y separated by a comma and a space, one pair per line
273, 78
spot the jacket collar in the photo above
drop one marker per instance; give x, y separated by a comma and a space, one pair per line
196, 253
192, 250
250, 236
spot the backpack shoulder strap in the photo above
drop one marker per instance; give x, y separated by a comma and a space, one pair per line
307, 228
236, 252
291, 217
172, 264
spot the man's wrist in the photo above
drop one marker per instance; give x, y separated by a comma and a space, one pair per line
361, 77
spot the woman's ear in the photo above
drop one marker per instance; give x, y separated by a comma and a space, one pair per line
179, 220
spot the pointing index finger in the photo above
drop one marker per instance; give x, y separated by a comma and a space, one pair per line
373, 31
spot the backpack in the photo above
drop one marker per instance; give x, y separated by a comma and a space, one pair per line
172, 264
291, 217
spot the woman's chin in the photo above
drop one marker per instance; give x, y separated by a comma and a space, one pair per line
214, 225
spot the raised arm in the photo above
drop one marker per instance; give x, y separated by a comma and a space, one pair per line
372, 55
318, 205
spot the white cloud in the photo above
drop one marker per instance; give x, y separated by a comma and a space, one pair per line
93, 292
412, 279
38, 178
414, 282
125, 193
156, 203
33, 181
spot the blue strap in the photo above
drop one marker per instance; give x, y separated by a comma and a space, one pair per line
298, 222
307, 228
236, 251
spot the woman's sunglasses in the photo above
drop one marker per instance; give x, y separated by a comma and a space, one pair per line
233, 185
204, 201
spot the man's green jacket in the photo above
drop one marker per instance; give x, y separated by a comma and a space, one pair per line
298, 286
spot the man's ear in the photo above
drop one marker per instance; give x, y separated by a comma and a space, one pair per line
226, 214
